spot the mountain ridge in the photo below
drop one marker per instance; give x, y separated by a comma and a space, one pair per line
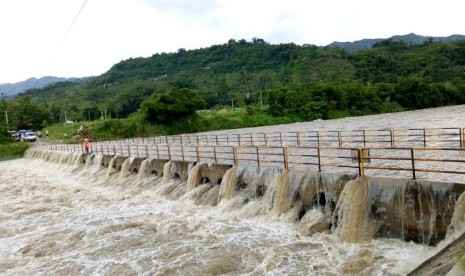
410, 38
12, 89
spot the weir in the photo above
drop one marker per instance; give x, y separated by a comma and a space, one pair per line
354, 208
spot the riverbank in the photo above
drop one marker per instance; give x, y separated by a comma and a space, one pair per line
12, 150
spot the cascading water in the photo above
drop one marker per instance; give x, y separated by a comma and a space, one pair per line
282, 198
229, 183
78, 160
111, 165
166, 171
280, 218
144, 169
194, 176
124, 172
351, 218
457, 225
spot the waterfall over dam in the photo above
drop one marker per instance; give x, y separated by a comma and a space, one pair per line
71, 213
353, 208
134, 209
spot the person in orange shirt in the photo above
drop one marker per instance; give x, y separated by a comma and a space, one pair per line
86, 145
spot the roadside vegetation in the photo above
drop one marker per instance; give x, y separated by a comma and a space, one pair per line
136, 125
9, 148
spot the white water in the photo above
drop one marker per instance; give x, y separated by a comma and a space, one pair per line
441, 117
69, 219
59, 219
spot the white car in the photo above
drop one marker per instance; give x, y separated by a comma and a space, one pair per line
28, 137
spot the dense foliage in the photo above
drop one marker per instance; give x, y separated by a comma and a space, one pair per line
297, 82
12, 150
176, 104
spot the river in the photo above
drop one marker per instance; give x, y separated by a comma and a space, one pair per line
66, 219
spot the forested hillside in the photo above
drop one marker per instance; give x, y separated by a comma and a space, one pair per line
299, 82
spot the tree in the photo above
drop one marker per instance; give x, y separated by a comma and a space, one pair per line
25, 114
175, 104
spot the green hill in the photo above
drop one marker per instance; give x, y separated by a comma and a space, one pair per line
298, 82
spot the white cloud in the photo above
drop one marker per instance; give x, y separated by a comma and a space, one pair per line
108, 31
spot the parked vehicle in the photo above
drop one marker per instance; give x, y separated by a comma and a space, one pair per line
15, 134
28, 136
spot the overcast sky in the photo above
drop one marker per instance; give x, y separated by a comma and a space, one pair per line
77, 38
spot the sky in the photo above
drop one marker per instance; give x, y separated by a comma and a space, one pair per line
79, 38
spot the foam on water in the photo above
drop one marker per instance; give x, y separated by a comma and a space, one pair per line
61, 217
63, 220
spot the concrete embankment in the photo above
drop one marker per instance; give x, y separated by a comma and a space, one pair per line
444, 262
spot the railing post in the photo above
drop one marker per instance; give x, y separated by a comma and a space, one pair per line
286, 161
197, 153
393, 138
182, 152
169, 153
361, 159
214, 151
298, 138
424, 137
129, 150
280, 138
318, 138
339, 138
319, 159
364, 138
146, 151
462, 137
258, 156
413, 163
235, 155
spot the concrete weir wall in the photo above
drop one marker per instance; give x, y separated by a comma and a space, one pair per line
353, 207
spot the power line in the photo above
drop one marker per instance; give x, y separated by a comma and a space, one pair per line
66, 35
71, 26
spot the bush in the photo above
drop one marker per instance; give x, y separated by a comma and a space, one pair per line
176, 104
5, 137
13, 150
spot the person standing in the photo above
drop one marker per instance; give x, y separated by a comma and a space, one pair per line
86, 145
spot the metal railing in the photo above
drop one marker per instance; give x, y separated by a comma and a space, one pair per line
402, 137
446, 164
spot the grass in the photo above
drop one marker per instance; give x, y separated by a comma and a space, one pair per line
12, 150
136, 127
